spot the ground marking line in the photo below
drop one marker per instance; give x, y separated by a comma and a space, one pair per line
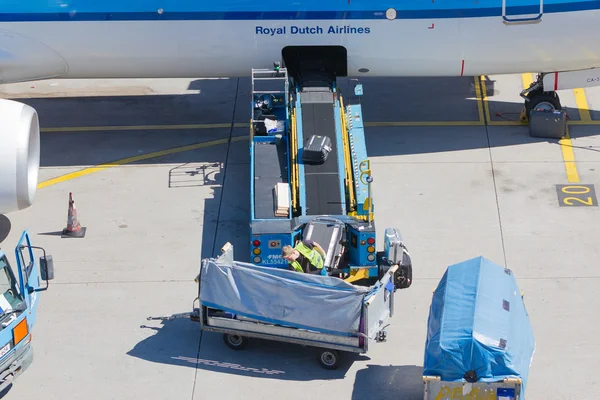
478, 93
141, 157
565, 143
582, 105
569, 158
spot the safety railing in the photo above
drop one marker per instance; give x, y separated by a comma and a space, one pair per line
347, 159
294, 162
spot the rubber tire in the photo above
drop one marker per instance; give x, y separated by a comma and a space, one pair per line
332, 359
538, 97
232, 343
405, 271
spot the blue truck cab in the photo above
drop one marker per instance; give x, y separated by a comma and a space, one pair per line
19, 299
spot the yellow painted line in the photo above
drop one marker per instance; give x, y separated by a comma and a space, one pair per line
582, 105
367, 124
479, 99
569, 158
592, 122
527, 79
140, 127
484, 99
518, 123
129, 160
423, 123
243, 125
565, 143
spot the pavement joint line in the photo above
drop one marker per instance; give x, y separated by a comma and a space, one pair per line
141, 157
483, 88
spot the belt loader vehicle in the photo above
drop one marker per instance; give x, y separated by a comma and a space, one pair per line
310, 177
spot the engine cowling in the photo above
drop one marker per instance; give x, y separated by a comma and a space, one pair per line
19, 155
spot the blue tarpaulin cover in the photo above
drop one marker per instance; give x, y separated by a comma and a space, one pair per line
478, 322
319, 303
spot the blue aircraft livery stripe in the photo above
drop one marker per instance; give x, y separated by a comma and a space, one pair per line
205, 11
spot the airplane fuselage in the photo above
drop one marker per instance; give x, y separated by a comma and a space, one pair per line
183, 38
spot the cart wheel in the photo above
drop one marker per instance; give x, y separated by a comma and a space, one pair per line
236, 342
330, 359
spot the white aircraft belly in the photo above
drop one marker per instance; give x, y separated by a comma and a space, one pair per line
23, 58
187, 49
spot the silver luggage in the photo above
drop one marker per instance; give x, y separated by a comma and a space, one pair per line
395, 253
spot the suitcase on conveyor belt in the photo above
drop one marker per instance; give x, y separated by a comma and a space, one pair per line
547, 124
316, 149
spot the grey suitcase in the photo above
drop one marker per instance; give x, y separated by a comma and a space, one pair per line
396, 252
329, 235
547, 124
316, 149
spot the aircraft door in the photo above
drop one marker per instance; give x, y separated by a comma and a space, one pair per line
510, 16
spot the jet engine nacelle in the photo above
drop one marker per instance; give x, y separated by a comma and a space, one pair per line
19, 155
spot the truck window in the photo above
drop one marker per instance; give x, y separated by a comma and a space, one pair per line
10, 297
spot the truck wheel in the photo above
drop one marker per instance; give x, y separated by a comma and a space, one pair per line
235, 342
329, 359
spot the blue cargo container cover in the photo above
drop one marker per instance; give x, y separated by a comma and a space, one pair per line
478, 322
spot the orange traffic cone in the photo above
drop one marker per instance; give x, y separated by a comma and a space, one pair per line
74, 228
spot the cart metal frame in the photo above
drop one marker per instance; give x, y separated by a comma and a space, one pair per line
377, 308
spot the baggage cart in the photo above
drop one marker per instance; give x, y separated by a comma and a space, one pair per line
242, 301
480, 344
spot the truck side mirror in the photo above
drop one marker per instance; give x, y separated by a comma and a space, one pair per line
46, 268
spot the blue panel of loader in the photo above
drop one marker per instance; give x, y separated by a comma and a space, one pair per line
358, 147
478, 324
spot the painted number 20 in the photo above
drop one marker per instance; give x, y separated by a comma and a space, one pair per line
578, 190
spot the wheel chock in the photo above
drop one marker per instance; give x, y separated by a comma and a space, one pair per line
523, 117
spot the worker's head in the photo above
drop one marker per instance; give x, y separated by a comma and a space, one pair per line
288, 253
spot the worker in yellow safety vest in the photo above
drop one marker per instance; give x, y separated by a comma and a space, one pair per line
307, 256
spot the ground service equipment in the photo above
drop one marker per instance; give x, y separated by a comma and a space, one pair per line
243, 300
18, 307
311, 178
326, 199
479, 339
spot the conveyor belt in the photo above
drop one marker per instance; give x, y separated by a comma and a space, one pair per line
322, 182
269, 169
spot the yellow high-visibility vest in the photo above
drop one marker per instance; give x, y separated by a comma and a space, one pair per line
313, 256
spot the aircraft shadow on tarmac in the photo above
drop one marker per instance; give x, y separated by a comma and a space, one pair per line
389, 382
223, 101
5, 227
180, 342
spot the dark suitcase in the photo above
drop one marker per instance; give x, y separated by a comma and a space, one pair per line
547, 124
316, 149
